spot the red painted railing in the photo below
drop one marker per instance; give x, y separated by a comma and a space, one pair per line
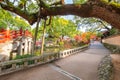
6, 35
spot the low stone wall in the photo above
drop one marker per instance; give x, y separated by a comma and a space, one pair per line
112, 43
112, 48
105, 69
113, 40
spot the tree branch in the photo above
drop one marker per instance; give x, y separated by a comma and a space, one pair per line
109, 13
29, 17
103, 25
93, 8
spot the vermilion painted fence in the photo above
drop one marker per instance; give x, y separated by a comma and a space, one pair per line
6, 35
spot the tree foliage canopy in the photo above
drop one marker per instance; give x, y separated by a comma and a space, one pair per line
28, 9
59, 27
62, 27
12, 21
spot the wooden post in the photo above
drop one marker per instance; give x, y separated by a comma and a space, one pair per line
43, 37
35, 61
25, 63
29, 46
21, 31
14, 66
0, 69
32, 49
7, 35
20, 48
26, 46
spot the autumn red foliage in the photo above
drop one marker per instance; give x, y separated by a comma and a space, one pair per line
85, 37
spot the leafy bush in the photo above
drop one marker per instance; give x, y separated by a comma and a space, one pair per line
24, 56
77, 44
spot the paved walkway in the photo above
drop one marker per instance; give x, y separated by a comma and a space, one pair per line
81, 66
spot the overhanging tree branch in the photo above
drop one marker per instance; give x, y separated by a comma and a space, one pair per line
93, 8
103, 25
29, 17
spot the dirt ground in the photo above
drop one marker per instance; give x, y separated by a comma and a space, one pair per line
116, 64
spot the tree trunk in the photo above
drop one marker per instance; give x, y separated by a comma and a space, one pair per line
36, 31
43, 38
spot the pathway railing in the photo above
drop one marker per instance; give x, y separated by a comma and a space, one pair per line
15, 65
2, 37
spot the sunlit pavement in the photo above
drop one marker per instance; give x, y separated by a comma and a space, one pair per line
82, 66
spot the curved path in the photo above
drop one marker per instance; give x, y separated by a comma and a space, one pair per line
82, 66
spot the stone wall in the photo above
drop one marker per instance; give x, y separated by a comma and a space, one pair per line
113, 40
105, 69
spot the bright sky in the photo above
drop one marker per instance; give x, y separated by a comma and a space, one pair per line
70, 17
68, 1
